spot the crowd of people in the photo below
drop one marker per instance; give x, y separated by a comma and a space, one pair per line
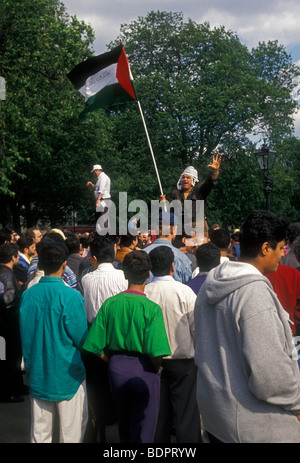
162, 337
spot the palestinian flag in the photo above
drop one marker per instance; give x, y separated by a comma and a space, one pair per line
104, 80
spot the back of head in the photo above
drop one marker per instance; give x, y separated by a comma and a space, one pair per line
52, 255
261, 227
103, 248
161, 258
208, 256
5, 235
7, 252
178, 242
127, 240
59, 232
73, 244
136, 267
220, 238
212, 229
293, 231
54, 237
85, 242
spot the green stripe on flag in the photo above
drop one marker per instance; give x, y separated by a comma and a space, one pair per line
110, 95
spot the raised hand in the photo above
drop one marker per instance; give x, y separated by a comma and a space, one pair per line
216, 162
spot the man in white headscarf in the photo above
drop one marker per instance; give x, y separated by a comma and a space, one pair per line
189, 187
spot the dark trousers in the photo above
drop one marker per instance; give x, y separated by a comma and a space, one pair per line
213, 439
135, 387
10, 369
102, 410
178, 403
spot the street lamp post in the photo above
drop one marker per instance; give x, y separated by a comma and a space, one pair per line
265, 158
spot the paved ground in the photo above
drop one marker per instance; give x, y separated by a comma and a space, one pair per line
15, 424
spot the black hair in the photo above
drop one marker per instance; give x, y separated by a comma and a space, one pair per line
235, 236
212, 229
103, 248
293, 231
136, 267
25, 241
54, 237
178, 243
52, 255
220, 238
85, 242
161, 258
127, 240
5, 235
261, 227
208, 256
73, 244
7, 251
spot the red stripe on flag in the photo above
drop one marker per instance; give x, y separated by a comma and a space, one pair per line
123, 74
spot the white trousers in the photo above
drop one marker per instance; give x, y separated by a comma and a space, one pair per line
73, 417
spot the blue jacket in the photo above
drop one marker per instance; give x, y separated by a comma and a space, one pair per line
183, 265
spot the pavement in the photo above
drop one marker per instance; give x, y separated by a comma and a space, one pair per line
15, 424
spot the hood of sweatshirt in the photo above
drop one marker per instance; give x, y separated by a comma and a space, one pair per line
228, 277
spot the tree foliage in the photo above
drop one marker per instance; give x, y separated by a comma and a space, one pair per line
44, 145
203, 91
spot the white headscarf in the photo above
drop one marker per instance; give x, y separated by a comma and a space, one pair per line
191, 171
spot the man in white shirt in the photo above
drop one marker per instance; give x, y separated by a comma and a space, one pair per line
102, 193
105, 281
178, 377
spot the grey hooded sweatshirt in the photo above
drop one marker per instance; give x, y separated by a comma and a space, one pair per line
248, 383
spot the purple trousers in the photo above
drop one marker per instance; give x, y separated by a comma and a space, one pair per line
136, 390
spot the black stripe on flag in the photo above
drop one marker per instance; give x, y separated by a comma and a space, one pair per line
89, 67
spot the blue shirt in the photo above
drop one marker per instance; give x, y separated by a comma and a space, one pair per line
53, 329
183, 265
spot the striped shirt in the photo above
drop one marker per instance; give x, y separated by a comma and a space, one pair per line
68, 277
102, 283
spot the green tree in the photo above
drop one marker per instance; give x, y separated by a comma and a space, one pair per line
285, 196
45, 146
202, 91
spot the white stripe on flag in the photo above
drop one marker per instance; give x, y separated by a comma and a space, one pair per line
98, 81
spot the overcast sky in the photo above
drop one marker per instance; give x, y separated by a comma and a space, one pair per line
253, 21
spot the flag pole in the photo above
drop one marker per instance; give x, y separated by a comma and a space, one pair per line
149, 141
150, 146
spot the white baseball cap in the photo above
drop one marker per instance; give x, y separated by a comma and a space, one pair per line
96, 167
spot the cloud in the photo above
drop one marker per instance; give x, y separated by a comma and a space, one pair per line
253, 21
